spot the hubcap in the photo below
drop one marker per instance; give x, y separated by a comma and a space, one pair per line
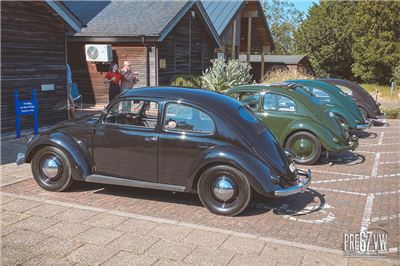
224, 188
303, 148
51, 167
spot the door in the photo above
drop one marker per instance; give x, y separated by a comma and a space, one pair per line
125, 141
186, 133
278, 112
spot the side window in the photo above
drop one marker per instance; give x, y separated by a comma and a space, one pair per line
251, 99
140, 113
275, 102
182, 117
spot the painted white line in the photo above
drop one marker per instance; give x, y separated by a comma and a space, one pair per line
340, 191
396, 137
382, 152
380, 140
391, 175
18, 180
375, 167
387, 193
187, 225
389, 162
367, 213
374, 145
340, 180
385, 218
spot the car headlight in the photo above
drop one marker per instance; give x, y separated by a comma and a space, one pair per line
331, 114
357, 121
335, 139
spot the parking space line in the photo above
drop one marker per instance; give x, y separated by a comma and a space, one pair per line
387, 192
385, 218
389, 162
340, 180
391, 175
381, 152
340, 191
367, 213
375, 167
380, 140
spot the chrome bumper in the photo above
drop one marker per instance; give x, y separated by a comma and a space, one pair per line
20, 159
304, 183
363, 126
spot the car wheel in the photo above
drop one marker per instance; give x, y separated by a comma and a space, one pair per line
51, 169
305, 146
224, 190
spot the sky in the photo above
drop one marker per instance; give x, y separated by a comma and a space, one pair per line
303, 5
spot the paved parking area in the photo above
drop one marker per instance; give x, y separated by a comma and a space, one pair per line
351, 191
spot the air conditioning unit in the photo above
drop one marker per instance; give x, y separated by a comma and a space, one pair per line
98, 52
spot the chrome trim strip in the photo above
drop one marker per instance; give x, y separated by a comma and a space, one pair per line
305, 183
20, 159
363, 126
102, 179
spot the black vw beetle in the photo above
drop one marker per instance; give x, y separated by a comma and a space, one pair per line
176, 139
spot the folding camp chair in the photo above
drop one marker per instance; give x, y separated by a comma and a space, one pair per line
77, 98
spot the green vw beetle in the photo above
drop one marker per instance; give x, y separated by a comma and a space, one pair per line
340, 103
301, 123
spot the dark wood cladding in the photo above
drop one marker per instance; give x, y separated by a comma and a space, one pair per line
32, 54
188, 49
90, 76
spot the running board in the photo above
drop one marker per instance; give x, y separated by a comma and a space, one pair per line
102, 179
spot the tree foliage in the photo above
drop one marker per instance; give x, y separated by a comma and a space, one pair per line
352, 39
283, 20
376, 48
326, 36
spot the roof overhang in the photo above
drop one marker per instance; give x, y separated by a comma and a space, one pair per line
210, 27
119, 39
66, 15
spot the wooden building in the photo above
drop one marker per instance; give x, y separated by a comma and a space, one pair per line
160, 38
243, 29
33, 57
299, 63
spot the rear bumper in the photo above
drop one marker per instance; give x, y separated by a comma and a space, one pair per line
304, 183
363, 126
20, 158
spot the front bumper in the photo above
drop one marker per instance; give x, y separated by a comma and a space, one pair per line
304, 183
20, 158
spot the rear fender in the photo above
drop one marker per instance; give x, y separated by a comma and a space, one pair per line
76, 152
258, 172
349, 117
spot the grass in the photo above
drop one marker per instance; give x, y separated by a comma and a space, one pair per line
383, 91
280, 74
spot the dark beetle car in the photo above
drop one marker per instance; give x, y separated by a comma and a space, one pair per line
368, 106
176, 139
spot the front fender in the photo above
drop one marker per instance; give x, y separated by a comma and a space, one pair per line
257, 171
76, 151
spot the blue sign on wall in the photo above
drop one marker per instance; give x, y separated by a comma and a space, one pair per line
26, 107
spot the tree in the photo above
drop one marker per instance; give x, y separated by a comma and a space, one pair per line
376, 48
326, 37
283, 20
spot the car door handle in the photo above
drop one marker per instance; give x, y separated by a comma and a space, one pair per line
151, 139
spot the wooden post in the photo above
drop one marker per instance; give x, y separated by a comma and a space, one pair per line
248, 39
262, 63
234, 40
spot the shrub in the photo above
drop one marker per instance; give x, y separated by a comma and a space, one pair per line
280, 74
188, 81
392, 113
222, 75
396, 76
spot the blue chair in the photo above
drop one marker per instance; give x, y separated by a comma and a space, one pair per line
77, 98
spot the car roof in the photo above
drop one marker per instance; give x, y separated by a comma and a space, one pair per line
209, 99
